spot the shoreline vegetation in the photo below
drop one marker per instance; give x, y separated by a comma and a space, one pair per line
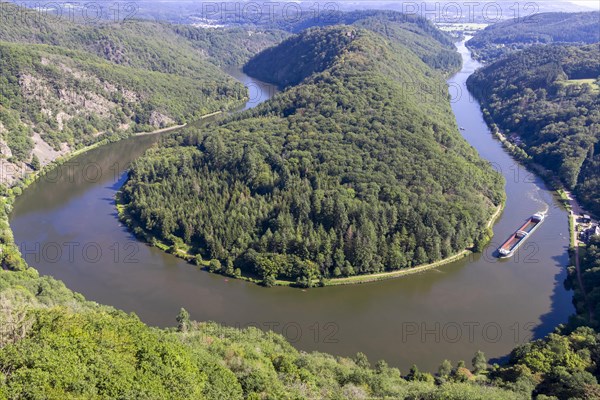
536, 123
11, 258
554, 183
567, 197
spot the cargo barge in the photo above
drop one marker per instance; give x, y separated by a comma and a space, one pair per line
516, 240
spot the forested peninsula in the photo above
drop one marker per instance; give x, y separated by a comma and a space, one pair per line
357, 168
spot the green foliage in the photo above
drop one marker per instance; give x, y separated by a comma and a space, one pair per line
282, 65
590, 276
565, 366
183, 320
98, 354
214, 266
73, 83
69, 348
347, 173
93, 96
153, 46
415, 375
404, 32
412, 31
445, 369
513, 34
557, 124
479, 362
230, 47
35, 163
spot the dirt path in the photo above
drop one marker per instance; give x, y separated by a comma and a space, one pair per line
575, 207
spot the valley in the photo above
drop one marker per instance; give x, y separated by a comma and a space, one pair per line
436, 296
297, 211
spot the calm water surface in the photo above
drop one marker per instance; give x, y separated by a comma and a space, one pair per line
67, 227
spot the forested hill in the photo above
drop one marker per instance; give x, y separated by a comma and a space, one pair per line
359, 169
433, 46
168, 48
54, 99
299, 57
545, 28
549, 96
66, 84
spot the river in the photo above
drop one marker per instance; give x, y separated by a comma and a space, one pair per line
67, 227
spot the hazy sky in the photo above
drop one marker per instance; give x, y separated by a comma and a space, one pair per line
587, 3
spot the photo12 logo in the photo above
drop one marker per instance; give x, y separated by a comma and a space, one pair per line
294, 332
65, 253
468, 331
253, 12
72, 11
487, 12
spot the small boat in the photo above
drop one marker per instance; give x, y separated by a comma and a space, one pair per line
509, 247
462, 128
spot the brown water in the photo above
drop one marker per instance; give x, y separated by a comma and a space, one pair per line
67, 227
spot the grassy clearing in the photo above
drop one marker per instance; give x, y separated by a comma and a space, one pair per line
564, 198
592, 82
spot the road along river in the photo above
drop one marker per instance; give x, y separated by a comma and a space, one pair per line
67, 227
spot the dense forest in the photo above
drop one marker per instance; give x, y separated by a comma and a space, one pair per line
168, 48
66, 84
547, 98
231, 47
590, 293
502, 38
433, 46
360, 169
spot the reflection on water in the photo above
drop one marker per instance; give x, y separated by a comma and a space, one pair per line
479, 302
258, 92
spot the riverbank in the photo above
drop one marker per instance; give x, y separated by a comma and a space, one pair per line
32, 177
566, 197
